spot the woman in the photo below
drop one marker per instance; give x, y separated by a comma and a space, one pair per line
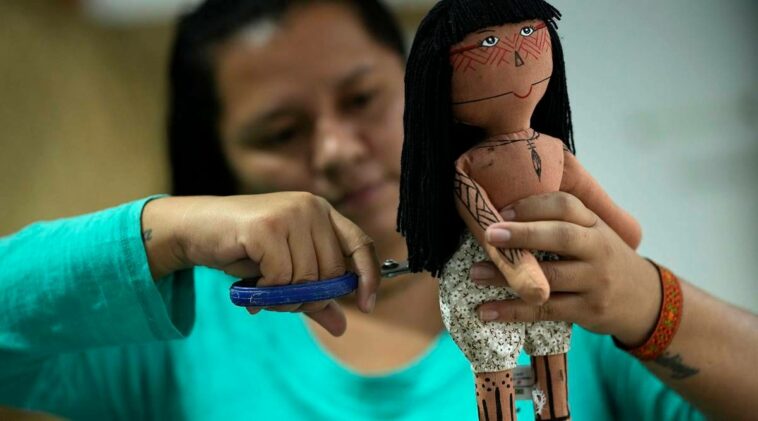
308, 96
323, 114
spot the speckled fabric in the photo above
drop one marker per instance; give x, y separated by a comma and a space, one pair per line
492, 346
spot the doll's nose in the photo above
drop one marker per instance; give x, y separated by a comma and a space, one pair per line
517, 60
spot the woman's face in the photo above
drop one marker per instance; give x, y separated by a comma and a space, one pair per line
313, 103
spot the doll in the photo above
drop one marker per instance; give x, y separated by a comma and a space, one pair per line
487, 123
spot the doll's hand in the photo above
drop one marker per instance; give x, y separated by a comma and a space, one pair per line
604, 286
283, 237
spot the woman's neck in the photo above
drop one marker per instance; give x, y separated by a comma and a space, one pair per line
396, 296
400, 330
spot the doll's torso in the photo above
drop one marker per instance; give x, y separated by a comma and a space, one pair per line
515, 166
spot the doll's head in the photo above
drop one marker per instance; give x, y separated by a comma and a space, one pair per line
500, 73
448, 108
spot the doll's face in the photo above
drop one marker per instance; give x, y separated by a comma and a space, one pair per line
500, 73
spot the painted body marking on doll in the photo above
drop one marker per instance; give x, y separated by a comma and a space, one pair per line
472, 197
530, 141
498, 387
536, 160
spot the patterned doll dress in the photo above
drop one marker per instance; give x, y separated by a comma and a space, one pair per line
491, 346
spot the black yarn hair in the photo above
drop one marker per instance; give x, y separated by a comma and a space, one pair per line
198, 166
427, 216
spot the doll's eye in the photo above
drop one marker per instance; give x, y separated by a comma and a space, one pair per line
490, 41
527, 31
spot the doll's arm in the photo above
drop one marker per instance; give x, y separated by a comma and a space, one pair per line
578, 182
519, 267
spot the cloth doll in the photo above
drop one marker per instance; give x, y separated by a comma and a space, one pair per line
487, 123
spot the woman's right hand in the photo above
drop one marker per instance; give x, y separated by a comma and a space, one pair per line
285, 238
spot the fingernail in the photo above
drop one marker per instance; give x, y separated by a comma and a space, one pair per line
498, 235
371, 303
488, 315
508, 214
253, 311
482, 273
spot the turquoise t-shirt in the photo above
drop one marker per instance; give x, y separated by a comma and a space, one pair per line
85, 333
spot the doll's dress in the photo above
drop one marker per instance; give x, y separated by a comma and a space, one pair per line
491, 346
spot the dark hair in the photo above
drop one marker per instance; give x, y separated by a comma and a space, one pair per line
433, 140
198, 165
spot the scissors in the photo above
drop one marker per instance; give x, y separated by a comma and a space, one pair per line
245, 293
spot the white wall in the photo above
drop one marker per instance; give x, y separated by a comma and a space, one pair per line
665, 103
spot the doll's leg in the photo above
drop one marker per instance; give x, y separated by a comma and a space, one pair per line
551, 387
492, 348
494, 396
547, 343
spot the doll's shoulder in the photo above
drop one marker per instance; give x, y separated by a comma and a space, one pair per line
557, 143
547, 138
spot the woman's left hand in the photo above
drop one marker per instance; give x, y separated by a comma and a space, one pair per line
603, 285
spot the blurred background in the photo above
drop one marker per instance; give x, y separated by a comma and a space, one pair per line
664, 98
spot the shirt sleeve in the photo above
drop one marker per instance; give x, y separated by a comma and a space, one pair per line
637, 394
80, 283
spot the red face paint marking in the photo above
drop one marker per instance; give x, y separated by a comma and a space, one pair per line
468, 60
527, 94
468, 57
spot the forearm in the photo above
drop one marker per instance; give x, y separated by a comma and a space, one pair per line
712, 358
66, 284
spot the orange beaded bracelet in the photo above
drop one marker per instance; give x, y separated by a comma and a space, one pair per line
668, 319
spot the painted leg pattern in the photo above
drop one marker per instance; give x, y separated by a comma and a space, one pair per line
551, 388
494, 396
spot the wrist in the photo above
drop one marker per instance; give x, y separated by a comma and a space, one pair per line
159, 236
641, 323
667, 322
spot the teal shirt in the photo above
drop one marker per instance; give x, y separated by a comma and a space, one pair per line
85, 333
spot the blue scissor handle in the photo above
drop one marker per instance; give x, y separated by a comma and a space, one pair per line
244, 293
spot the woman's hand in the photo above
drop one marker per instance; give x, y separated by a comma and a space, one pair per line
604, 286
282, 237
607, 288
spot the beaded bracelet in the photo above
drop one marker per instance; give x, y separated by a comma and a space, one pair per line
668, 318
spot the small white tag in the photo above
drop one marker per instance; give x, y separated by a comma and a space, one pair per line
523, 380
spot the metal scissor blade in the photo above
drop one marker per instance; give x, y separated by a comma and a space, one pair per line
391, 268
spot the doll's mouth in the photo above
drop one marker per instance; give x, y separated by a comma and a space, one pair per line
469, 101
523, 96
